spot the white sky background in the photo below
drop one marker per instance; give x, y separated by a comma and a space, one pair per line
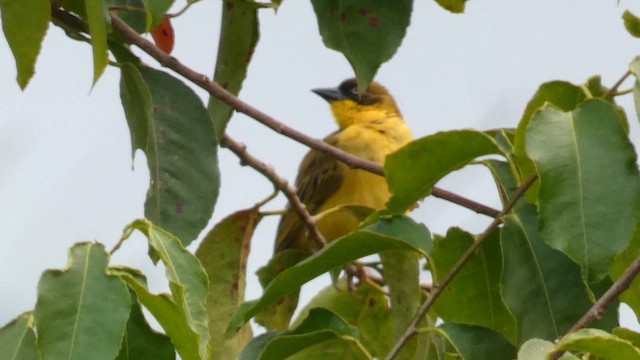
65, 155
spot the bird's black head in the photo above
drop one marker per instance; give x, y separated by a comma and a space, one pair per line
348, 90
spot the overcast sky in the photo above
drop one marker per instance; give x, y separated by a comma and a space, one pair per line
66, 170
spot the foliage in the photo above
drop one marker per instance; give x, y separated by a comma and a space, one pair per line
567, 176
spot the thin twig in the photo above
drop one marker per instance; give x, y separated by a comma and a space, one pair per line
615, 87
181, 11
375, 276
222, 94
266, 200
247, 159
464, 202
623, 92
597, 310
439, 288
272, 213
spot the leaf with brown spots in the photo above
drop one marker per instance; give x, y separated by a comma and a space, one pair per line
223, 254
366, 33
170, 124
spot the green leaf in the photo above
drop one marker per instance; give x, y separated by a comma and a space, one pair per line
122, 53
473, 297
322, 335
135, 19
635, 69
436, 346
72, 307
187, 279
141, 342
170, 124
541, 286
99, 23
253, 350
239, 35
171, 316
631, 296
156, 10
18, 339
402, 276
505, 173
628, 335
431, 158
278, 315
366, 309
594, 87
476, 343
590, 188
367, 34
504, 138
631, 23
503, 176
138, 106
599, 343
390, 233
535, 349
24, 24
455, 6
223, 253
561, 94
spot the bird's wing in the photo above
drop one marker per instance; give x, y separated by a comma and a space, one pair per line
319, 177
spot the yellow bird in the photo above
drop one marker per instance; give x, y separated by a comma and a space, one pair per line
370, 126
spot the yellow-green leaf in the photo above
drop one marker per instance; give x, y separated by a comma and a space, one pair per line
99, 23
24, 23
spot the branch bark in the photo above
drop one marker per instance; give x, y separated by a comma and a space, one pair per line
598, 309
247, 159
473, 249
222, 94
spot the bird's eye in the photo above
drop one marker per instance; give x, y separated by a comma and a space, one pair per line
355, 91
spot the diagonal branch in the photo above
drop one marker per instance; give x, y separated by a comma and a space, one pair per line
247, 159
598, 309
222, 94
473, 249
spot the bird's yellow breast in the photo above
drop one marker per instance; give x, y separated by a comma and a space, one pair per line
359, 188
372, 141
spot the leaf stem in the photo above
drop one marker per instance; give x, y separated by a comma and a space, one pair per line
473, 249
623, 92
266, 200
611, 92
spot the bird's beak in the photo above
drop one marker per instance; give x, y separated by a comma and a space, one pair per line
329, 94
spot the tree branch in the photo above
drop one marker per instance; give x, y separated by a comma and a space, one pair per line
473, 249
223, 95
613, 91
247, 159
597, 310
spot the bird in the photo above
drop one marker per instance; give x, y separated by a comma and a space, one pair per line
370, 126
